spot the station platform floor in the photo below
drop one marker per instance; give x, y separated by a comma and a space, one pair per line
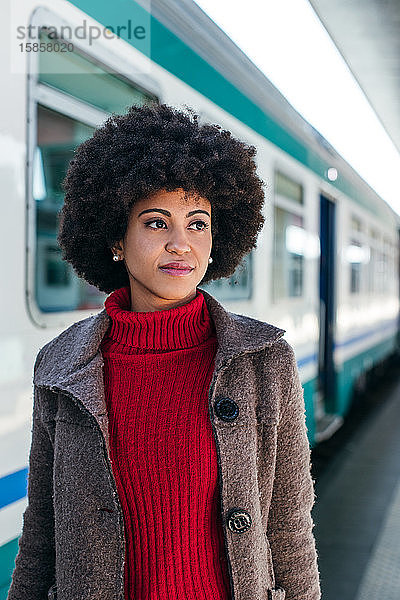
357, 509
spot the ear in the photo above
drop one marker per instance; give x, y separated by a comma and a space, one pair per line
118, 246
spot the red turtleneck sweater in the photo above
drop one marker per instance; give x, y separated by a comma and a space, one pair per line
157, 371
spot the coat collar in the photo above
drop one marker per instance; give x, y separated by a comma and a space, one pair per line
72, 361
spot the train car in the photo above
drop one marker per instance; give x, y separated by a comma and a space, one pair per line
326, 267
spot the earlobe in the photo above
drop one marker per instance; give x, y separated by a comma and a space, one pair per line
116, 250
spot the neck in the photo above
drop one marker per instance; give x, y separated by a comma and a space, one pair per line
143, 302
182, 326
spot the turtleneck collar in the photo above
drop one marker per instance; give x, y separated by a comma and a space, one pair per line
174, 328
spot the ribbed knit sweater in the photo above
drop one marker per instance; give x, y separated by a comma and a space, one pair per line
157, 371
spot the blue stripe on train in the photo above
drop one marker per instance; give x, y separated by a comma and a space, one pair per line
13, 487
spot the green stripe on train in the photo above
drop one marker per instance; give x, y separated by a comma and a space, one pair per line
8, 552
167, 50
340, 401
352, 368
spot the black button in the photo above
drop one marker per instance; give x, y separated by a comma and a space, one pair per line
226, 409
239, 520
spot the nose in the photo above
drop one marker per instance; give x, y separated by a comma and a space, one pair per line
178, 240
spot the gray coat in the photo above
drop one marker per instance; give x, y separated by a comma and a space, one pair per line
72, 545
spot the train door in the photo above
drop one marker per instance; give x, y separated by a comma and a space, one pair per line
326, 421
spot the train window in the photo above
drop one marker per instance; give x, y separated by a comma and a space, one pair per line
386, 267
357, 256
72, 95
381, 265
395, 264
355, 266
236, 287
285, 186
356, 224
288, 257
57, 288
289, 239
76, 75
373, 284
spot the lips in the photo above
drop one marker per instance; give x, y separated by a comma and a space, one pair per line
179, 269
181, 266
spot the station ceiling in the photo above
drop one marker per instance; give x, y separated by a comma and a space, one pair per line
367, 34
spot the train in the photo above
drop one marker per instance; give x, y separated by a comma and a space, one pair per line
326, 266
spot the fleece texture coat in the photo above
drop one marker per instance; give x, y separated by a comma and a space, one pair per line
72, 545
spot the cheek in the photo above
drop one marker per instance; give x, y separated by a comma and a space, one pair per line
142, 249
207, 243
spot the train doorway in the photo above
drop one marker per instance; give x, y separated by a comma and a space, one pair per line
327, 422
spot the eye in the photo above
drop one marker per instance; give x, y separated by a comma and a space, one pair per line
148, 223
202, 223
154, 221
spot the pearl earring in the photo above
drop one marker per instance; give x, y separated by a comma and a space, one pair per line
115, 257
210, 260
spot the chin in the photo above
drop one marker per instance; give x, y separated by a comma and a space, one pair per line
174, 291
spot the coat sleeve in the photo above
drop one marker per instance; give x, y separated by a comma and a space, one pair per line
290, 524
33, 574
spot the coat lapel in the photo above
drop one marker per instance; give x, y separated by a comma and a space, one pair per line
72, 362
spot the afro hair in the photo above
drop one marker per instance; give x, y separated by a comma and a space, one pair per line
132, 156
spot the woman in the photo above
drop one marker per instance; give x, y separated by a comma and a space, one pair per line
169, 455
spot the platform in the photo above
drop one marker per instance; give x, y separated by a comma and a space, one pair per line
357, 511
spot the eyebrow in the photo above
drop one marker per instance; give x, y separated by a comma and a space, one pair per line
168, 214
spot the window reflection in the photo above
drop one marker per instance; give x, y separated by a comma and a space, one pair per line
236, 287
288, 259
290, 240
57, 286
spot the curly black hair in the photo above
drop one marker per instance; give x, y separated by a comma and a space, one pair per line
134, 155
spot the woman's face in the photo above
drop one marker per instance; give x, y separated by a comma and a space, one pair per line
168, 227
